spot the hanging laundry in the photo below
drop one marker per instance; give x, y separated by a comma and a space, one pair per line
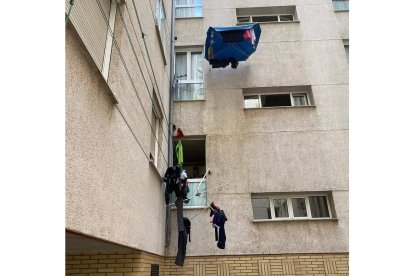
218, 219
179, 153
171, 179
225, 45
182, 234
187, 225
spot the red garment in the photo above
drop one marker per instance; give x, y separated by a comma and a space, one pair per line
180, 133
248, 35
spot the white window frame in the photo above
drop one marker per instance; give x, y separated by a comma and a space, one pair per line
177, 6
194, 181
156, 128
189, 78
261, 15
282, 93
290, 207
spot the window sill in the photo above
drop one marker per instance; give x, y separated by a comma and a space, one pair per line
274, 22
189, 100
193, 17
280, 107
152, 165
342, 11
297, 219
190, 207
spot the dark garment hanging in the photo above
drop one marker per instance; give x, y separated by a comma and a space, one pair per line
171, 179
233, 36
182, 234
218, 220
182, 248
223, 63
187, 225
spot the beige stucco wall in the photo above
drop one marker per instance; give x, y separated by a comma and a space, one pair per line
342, 19
278, 149
112, 191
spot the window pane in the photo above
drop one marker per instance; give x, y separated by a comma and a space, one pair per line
287, 17
268, 18
281, 208
189, 2
319, 206
299, 207
300, 99
243, 19
340, 5
276, 100
189, 91
200, 200
261, 208
181, 65
196, 66
251, 101
188, 12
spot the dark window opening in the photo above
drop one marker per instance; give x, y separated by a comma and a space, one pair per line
276, 100
287, 17
264, 18
194, 157
155, 270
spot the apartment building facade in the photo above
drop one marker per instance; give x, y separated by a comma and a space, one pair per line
273, 135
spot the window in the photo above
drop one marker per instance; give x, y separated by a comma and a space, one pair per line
189, 72
188, 8
156, 118
161, 21
272, 100
91, 20
266, 14
340, 5
290, 207
196, 186
264, 18
195, 166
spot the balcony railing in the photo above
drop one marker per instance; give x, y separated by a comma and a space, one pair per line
340, 5
189, 91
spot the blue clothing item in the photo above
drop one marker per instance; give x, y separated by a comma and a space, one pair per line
226, 45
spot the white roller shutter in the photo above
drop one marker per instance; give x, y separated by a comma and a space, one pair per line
91, 25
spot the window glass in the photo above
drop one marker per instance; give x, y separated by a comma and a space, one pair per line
268, 18
281, 208
188, 8
251, 101
196, 66
161, 21
261, 208
287, 17
243, 19
276, 100
189, 91
319, 206
200, 200
299, 207
181, 64
300, 99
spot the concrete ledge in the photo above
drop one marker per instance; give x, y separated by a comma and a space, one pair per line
285, 220
280, 107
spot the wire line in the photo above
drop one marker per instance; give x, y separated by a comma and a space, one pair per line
128, 73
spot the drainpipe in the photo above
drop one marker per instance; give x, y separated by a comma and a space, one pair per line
170, 115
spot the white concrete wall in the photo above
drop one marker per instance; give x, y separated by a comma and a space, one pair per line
112, 191
273, 150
